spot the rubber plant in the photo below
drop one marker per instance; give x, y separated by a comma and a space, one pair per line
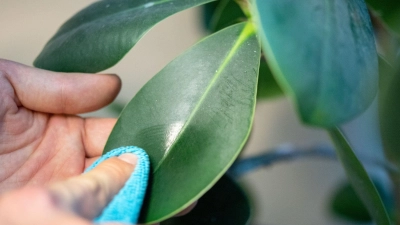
194, 116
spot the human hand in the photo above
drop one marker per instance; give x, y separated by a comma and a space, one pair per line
40, 139
44, 146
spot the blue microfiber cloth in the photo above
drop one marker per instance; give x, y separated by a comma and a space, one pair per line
125, 206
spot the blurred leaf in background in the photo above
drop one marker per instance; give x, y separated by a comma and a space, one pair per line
224, 204
324, 66
221, 14
359, 179
388, 44
389, 110
346, 204
267, 86
389, 11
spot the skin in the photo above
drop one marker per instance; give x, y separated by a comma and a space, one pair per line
44, 146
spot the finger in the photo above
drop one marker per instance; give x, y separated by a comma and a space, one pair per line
61, 93
37, 207
88, 194
95, 135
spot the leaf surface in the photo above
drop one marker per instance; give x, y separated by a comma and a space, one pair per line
98, 36
224, 204
323, 55
193, 118
359, 179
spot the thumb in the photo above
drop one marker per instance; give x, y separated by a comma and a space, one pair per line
88, 194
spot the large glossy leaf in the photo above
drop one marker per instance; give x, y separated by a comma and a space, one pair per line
359, 179
224, 204
193, 118
389, 11
97, 37
323, 54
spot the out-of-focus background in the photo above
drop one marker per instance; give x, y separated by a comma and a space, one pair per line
289, 193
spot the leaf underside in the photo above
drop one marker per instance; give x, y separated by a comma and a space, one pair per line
328, 66
193, 118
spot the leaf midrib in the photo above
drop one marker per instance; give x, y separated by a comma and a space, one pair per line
326, 60
246, 33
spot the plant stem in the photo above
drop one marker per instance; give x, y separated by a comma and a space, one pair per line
288, 153
280, 154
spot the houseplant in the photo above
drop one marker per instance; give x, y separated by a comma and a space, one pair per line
322, 55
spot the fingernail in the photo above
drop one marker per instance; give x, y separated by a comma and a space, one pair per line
129, 158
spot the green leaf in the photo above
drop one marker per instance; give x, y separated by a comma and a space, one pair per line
389, 113
323, 55
97, 37
116, 107
359, 179
389, 11
227, 12
345, 202
193, 118
208, 11
348, 205
224, 204
386, 75
267, 86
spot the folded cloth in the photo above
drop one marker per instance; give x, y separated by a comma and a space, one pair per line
125, 206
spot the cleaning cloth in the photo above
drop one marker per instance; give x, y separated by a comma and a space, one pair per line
125, 206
